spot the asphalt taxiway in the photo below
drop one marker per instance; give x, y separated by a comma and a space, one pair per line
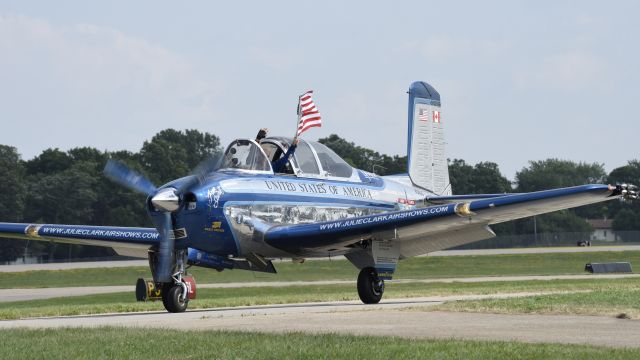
392, 317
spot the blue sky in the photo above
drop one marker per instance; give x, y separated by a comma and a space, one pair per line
519, 81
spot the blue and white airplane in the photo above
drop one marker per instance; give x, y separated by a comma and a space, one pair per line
241, 215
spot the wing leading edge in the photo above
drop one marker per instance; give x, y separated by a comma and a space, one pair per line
435, 227
124, 240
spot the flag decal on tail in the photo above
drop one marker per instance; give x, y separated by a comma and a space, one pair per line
436, 116
423, 115
308, 113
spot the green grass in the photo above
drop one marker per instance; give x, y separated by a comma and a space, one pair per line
119, 343
414, 268
623, 303
207, 298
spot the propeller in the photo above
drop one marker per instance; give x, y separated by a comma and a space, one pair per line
123, 175
166, 200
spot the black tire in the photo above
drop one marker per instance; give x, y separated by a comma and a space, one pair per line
141, 290
370, 287
172, 299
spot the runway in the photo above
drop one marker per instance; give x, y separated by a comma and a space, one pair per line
7, 295
393, 317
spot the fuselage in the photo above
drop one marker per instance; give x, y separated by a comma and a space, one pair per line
226, 213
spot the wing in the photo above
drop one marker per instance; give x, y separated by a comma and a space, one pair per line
436, 227
124, 240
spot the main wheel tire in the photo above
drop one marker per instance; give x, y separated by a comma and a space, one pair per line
173, 300
370, 287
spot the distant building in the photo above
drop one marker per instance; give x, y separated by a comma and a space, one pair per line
602, 230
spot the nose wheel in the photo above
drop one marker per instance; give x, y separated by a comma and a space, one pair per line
370, 286
174, 299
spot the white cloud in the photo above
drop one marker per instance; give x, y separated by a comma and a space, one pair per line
98, 56
86, 77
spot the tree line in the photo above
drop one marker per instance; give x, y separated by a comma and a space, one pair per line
68, 187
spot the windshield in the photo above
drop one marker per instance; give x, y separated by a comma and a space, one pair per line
245, 155
305, 159
331, 162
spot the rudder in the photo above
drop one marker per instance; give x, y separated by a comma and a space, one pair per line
427, 162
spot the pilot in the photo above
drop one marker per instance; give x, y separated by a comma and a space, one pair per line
261, 134
278, 165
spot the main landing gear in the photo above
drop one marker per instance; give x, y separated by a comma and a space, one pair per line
370, 286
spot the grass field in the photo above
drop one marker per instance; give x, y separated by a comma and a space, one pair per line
611, 297
627, 289
163, 344
413, 268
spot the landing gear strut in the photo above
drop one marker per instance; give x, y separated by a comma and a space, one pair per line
175, 294
370, 286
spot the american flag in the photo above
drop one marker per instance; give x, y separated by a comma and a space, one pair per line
423, 115
308, 112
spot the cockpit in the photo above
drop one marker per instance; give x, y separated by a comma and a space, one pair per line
310, 159
244, 154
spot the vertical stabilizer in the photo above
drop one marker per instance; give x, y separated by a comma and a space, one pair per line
427, 162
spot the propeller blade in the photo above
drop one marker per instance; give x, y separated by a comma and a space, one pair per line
165, 249
123, 175
200, 172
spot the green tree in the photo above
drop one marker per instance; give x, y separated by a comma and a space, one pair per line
628, 174
50, 161
65, 197
12, 198
117, 205
365, 159
626, 220
555, 222
172, 154
555, 173
489, 180
461, 177
482, 178
12, 186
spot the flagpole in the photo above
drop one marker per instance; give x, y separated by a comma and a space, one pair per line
295, 136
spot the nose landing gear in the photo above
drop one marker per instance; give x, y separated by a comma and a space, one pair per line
176, 294
174, 298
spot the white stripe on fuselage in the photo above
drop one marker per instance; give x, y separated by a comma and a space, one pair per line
389, 193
